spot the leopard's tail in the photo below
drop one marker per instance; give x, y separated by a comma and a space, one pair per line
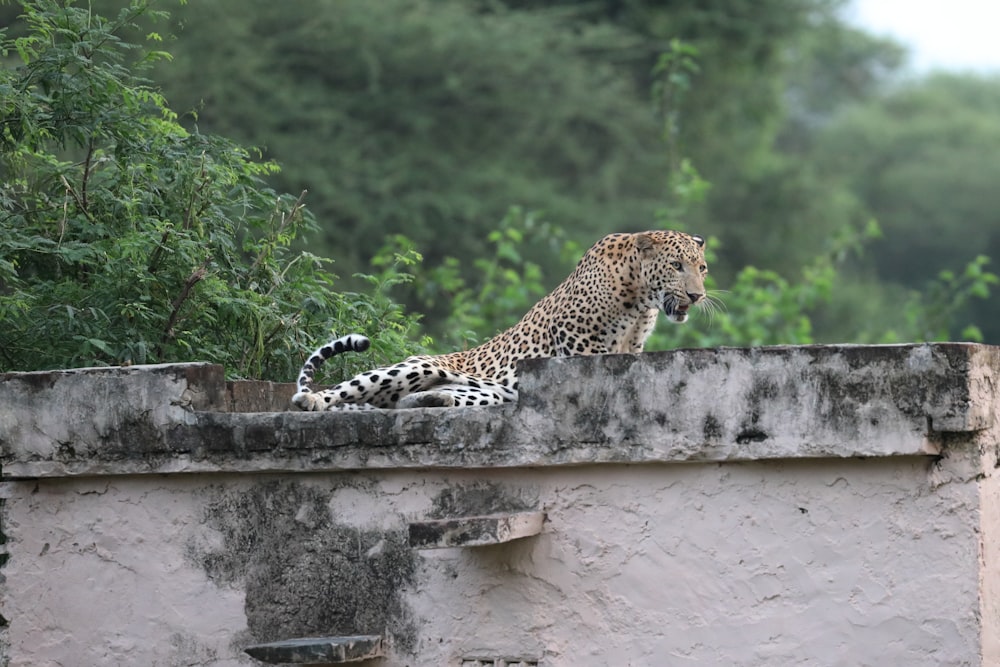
348, 343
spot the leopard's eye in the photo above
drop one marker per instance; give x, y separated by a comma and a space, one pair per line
703, 268
676, 265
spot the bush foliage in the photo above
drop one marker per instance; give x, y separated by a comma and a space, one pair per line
125, 238
128, 235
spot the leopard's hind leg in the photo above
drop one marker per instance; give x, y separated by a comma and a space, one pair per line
456, 395
421, 378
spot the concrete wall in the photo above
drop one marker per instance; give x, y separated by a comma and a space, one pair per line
777, 506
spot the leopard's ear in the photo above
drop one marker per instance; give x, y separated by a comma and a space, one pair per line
644, 243
699, 240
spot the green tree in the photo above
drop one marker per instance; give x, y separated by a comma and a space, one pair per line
429, 119
924, 159
418, 124
126, 238
426, 118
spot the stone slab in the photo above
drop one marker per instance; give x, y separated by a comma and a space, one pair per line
259, 396
725, 404
474, 531
319, 650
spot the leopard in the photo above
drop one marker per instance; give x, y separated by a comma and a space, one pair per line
609, 304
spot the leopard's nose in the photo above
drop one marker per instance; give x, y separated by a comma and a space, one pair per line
695, 298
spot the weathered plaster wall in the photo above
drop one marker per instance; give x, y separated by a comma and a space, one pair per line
740, 564
986, 443
871, 541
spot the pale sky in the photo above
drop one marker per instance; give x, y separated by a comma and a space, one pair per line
941, 34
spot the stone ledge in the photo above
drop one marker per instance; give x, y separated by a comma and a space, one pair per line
319, 650
474, 531
727, 404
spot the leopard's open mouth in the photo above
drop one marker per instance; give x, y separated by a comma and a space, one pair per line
675, 312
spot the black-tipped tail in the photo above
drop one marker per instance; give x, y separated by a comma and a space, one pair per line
348, 343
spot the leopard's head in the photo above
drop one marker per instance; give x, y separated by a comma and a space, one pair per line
673, 270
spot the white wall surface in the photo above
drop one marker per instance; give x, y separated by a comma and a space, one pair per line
825, 562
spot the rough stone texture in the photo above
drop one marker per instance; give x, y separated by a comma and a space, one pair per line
258, 396
785, 506
97, 413
319, 650
474, 531
689, 405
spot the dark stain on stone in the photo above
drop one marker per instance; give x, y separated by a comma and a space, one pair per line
480, 499
305, 574
3, 540
33, 382
763, 390
678, 389
592, 419
761, 394
747, 436
711, 429
601, 410
133, 437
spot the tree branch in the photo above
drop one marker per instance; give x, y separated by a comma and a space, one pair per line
158, 252
168, 330
79, 202
286, 220
86, 172
195, 191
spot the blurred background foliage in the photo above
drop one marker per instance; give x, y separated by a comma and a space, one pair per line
459, 155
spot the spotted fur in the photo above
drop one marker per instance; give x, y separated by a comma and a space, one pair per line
608, 304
